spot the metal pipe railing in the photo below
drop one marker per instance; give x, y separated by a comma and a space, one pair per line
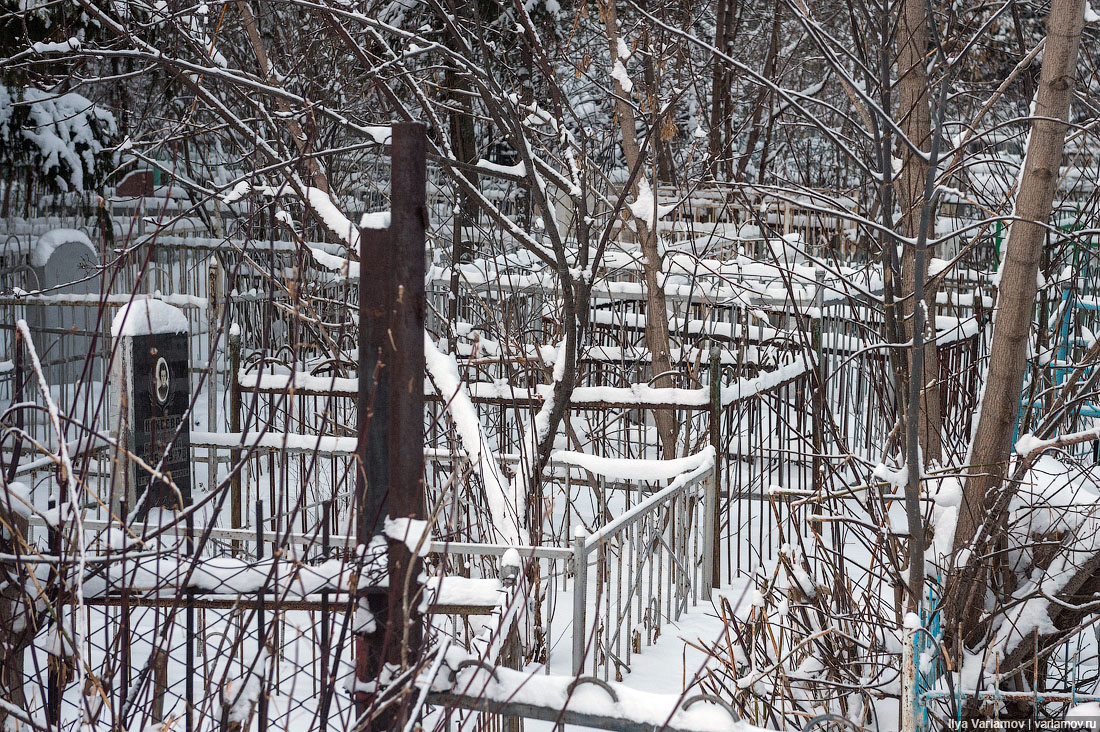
649, 555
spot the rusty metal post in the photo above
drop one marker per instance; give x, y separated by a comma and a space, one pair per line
17, 397
213, 315
391, 414
236, 502
818, 396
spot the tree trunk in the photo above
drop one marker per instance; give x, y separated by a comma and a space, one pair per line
916, 122
720, 92
656, 324
762, 100
301, 142
463, 141
992, 445
18, 615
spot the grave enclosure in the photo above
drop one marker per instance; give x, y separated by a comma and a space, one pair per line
248, 393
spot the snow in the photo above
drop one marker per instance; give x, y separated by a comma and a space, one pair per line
364, 621
147, 316
290, 442
898, 478
645, 207
553, 694
618, 73
1088, 712
788, 249
299, 381
318, 201
73, 44
505, 499
655, 499
519, 169
70, 135
937, 266
412, 532
511, 558
949, 493
240, 697
94, 298
1090, 14
345, 267
469, 591
635, 470
1033, 599
375, 220
334, 219
1028, 444
51, 240
58, 643
16, 496
380, 134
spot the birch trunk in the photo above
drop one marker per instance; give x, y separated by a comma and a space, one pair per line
991, 449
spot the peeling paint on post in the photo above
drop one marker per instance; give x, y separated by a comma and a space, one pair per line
908, 681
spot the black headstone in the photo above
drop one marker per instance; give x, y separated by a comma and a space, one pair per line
161, 392
150, 394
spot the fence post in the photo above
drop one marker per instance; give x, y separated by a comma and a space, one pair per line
711, 567
712, 495
158, 663
390, 423
189, 630
580, 591
908, 679
261, 624
213, 292
819, 386
236, 506
17, 397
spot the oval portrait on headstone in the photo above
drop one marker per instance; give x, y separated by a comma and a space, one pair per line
162, 379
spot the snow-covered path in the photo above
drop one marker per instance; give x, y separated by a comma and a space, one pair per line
674, 663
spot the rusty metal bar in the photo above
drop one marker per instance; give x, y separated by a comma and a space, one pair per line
391, 407
337, 604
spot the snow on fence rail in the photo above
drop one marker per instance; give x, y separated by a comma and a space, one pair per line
650, 563
569, 700
637, 571
633, 396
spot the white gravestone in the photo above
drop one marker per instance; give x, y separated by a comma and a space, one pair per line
64, 263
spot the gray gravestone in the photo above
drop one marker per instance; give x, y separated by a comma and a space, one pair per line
64, 262
150, 394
